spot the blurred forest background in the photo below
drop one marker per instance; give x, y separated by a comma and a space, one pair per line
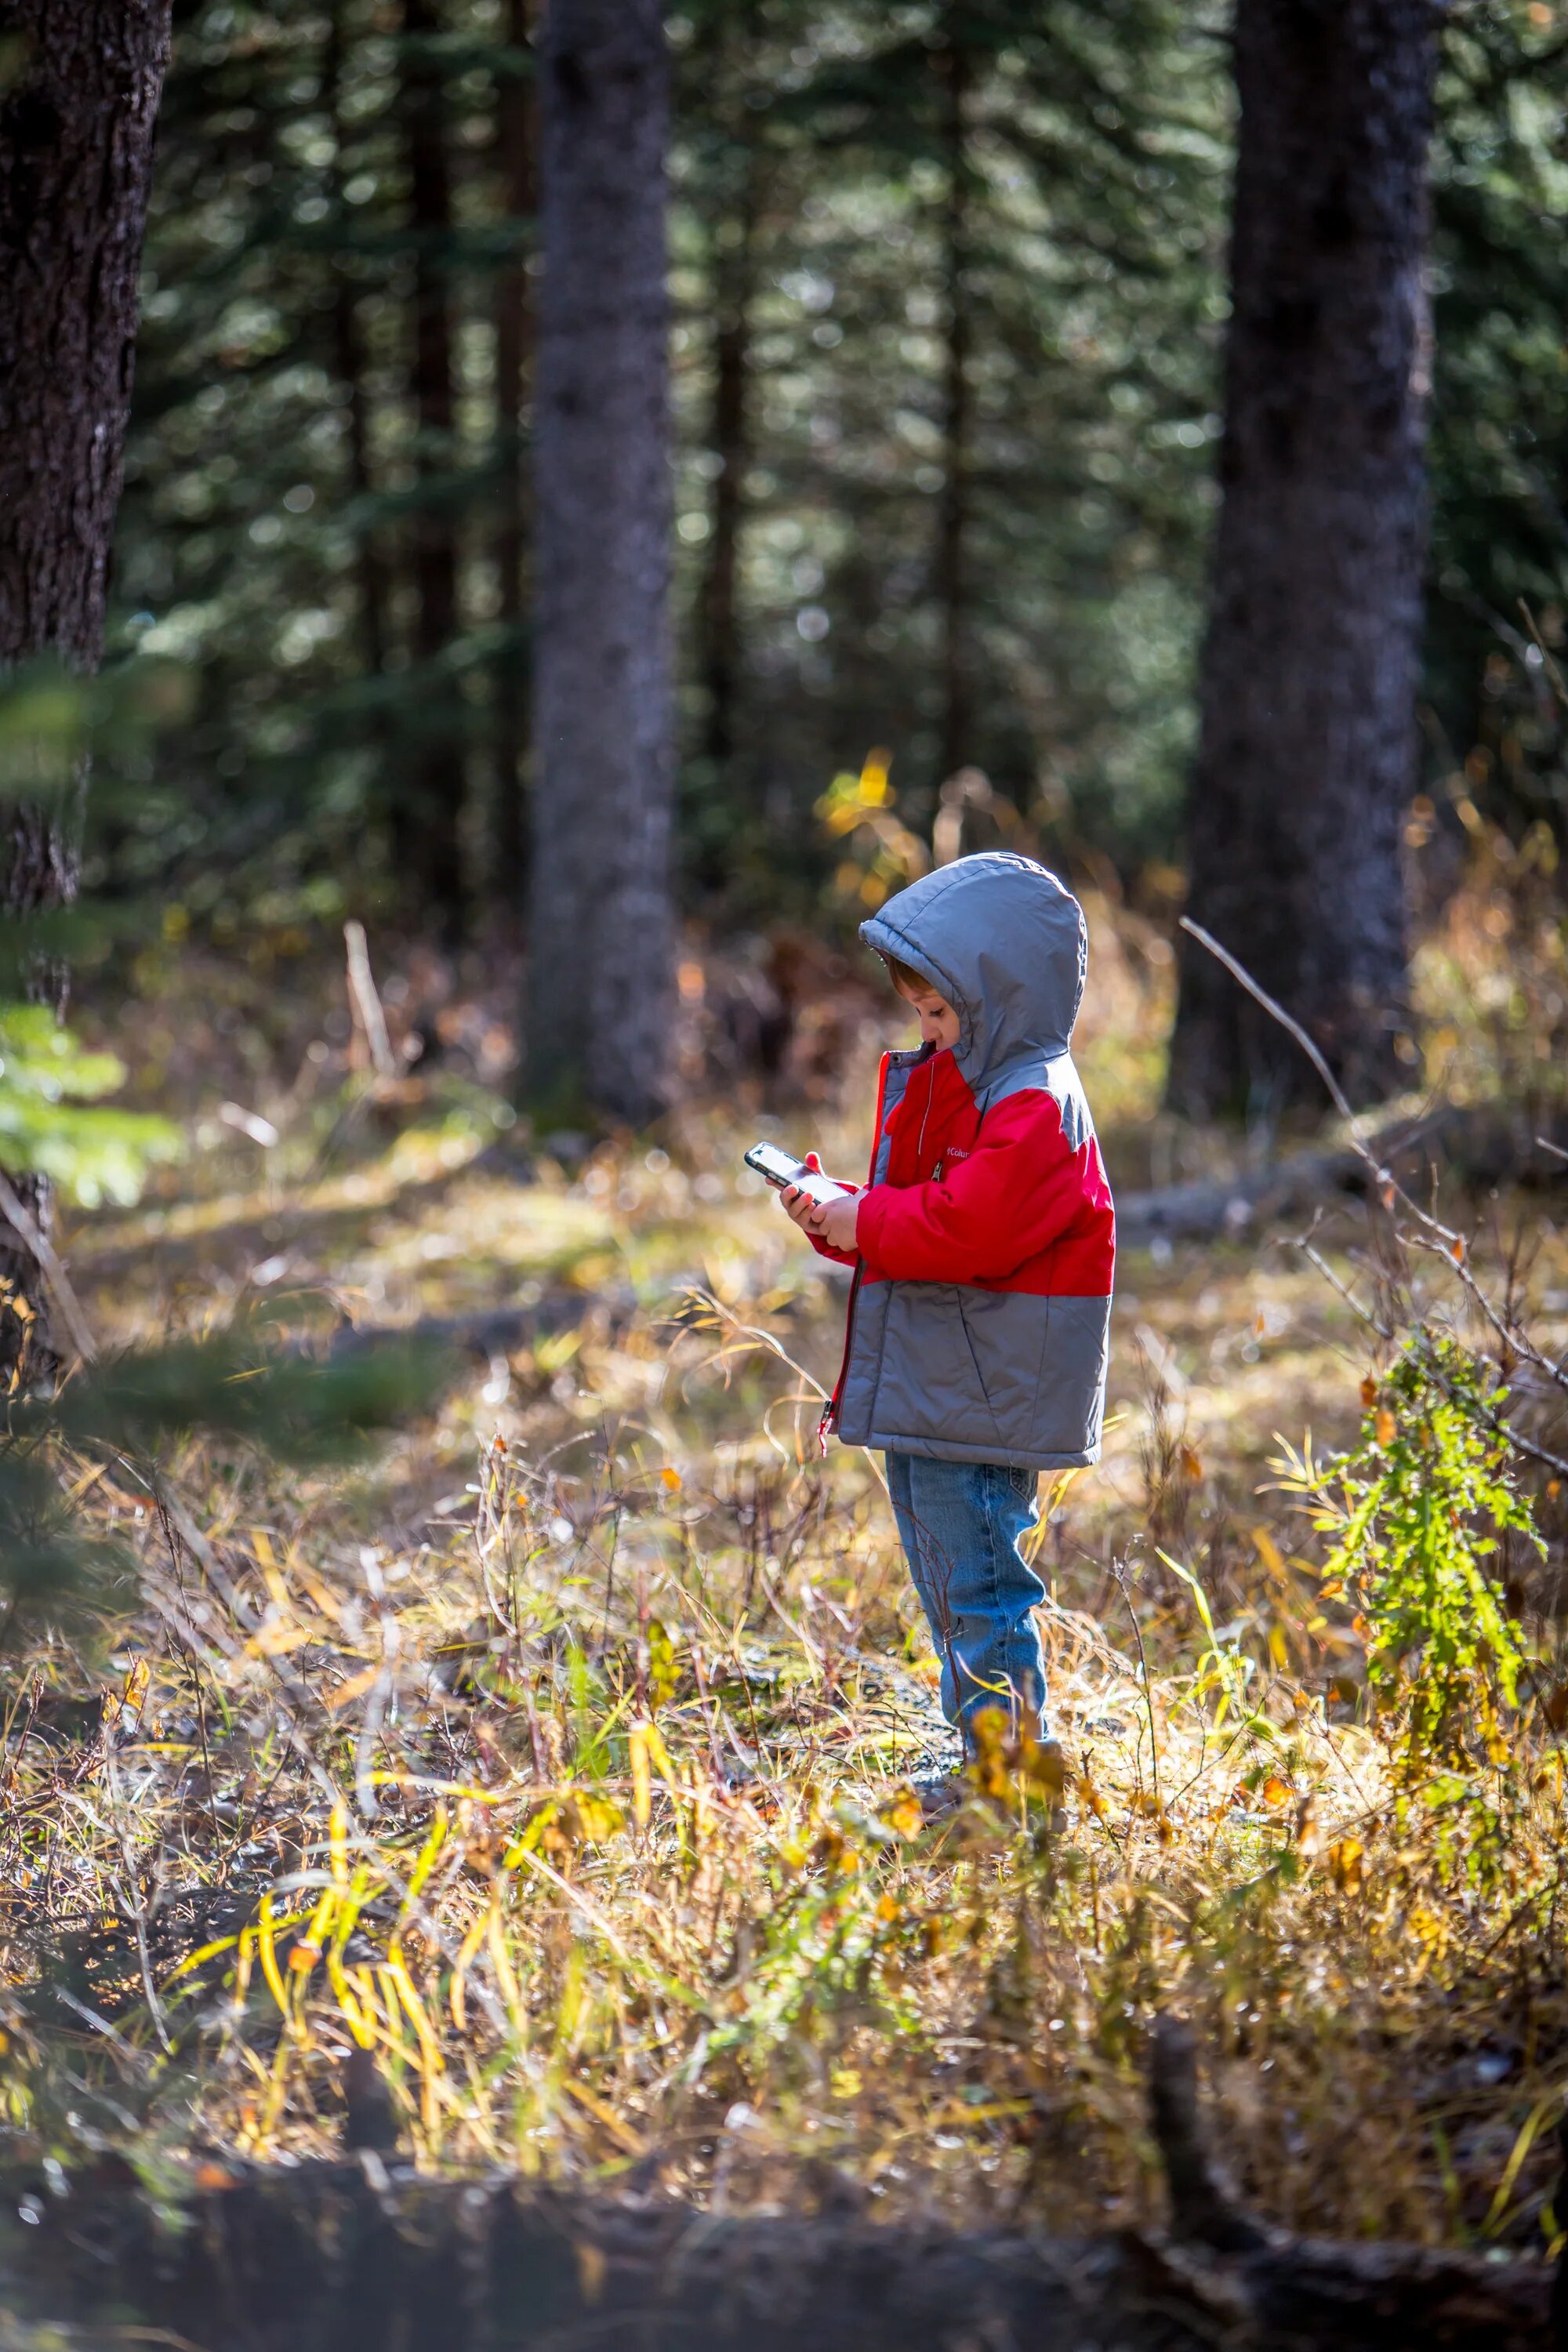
948, 297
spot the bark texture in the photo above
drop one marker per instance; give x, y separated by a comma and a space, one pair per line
601, 925
1307, 753
76, 150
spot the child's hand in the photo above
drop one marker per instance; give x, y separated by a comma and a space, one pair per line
834, 1222
810, 1216
798, 1206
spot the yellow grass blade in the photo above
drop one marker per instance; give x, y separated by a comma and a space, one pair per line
467, 1954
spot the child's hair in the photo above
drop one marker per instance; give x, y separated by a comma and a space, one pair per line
907, 981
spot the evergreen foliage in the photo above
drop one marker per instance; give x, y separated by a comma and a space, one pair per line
280, 485
1499, 419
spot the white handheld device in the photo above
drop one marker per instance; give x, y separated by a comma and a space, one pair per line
782, 1168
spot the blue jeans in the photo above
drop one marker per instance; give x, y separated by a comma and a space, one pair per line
960, 1523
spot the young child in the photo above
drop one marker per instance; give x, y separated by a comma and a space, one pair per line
984, 1247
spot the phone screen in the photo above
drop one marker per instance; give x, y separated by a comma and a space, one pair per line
782, 1168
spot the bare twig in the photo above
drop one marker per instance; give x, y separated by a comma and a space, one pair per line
1374, 1323
367, 1003
1507, 1328
1277, 1012
1389, 1188
1434, 1235
1118, 1570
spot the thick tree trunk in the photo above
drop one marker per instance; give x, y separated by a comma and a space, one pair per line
427, 832
602, 927
76, 152
350, 360
952, 518
514, 329
1308, 733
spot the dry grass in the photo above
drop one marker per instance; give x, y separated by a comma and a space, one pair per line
561, 1757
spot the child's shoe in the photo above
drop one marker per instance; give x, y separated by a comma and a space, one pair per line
943, 1793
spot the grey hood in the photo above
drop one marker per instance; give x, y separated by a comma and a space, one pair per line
1007, 946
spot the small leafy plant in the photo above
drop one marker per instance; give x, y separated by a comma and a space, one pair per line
1417, 1513
54, 1121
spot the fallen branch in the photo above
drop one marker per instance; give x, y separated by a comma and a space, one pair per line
366, 1001
1484, 1145
318, 2256
1206, 1211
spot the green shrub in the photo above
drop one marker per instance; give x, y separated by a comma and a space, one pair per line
1418, 1514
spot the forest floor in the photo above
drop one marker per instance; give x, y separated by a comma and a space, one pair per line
560, 1753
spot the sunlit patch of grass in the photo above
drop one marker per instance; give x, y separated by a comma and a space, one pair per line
585, 1809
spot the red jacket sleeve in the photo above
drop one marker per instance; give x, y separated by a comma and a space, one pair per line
1018, 1191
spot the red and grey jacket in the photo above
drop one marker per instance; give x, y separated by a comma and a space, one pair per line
986, 1238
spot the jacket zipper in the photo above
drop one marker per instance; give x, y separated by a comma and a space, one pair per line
829, 1421
925, 1115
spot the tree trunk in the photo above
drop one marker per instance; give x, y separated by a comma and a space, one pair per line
1307, 753
76, 152
427, 832
514, 148
350, 360
602, 930
734, 285
952, 520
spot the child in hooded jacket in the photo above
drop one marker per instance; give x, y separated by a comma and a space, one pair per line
984, 1248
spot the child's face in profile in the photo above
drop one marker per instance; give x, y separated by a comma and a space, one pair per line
939, 1021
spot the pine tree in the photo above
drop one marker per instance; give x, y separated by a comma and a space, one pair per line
352, 362
515, 141
601, 933
428, 813
728, 78
275, 482
1019, 193
1498, 447
1308, 753
951, 562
